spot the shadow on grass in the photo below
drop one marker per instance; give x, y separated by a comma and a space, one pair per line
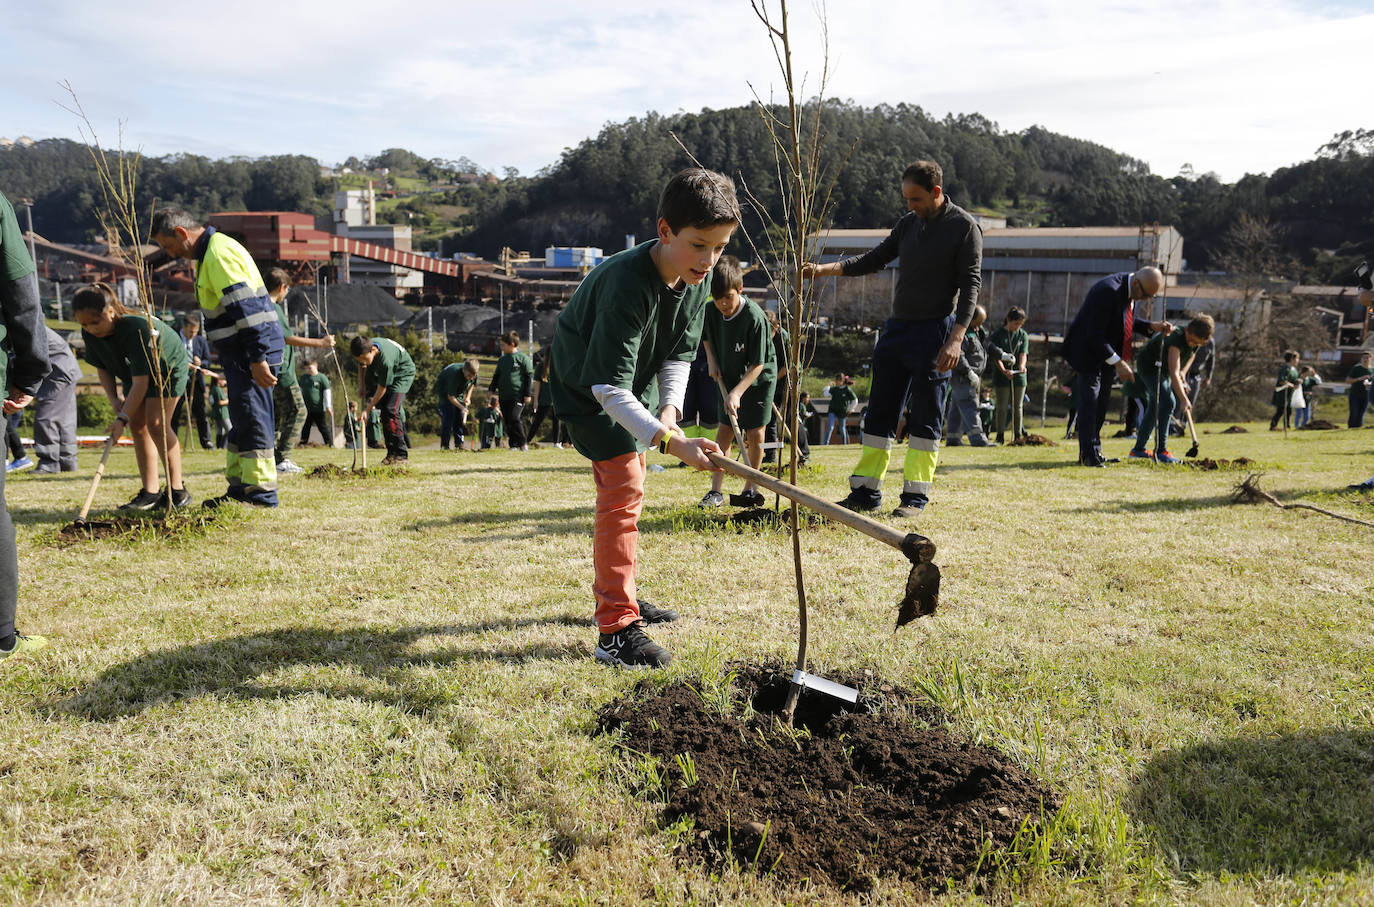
1293, 803
229, 667
1133, 505
565, 521
1027, 464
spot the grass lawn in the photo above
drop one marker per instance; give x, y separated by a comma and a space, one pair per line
384, 691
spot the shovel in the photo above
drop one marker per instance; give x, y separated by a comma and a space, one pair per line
923, 583
1192, 451
95, 483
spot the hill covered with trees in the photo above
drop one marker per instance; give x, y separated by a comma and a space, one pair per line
1321, 211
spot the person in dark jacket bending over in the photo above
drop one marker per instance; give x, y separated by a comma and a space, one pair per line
1098, 343
940, 248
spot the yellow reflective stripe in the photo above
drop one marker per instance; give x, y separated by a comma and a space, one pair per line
872, 463
920, 465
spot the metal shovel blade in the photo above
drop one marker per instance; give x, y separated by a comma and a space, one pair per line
828, 687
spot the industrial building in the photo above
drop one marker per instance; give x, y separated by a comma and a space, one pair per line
1045, 270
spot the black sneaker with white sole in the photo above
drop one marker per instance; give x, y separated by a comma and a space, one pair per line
712, 499
631, 647
653, 614
144, 500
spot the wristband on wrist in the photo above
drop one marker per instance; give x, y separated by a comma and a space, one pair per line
668, 436
123, 417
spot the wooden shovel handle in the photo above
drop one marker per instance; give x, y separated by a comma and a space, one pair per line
95, 482
1191, 428
916, 547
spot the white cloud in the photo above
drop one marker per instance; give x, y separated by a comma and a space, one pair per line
1226, 85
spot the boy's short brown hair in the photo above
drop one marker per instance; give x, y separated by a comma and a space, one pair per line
358, 346
1015, 313
511, 337
699, 198
275, 279
726, 276
1202, 327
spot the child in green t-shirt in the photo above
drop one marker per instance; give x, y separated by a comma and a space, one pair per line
1284, 384
622, 352
512, 383
842, 400
1161, 368
740, 355
1009, 382
386, 367
489, 423
149, 359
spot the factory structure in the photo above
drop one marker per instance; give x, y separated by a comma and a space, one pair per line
1046, 271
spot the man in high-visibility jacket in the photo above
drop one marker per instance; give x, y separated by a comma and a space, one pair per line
244, 331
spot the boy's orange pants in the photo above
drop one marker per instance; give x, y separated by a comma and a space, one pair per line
615, 538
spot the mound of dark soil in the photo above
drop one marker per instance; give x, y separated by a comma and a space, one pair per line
863, 794
1032, 441
767, 518
1207, 464
334, 471
1319, 425
1235, 430
177, 524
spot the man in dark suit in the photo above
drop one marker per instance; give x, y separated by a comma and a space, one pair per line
1098, 345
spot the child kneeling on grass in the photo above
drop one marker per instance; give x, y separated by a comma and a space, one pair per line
151, 363
739, 353
622, 350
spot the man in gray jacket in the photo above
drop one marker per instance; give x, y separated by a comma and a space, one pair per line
965, 381
54, 408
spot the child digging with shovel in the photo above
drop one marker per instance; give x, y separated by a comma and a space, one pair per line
739, 354
148, 358
622, 351
1173, 352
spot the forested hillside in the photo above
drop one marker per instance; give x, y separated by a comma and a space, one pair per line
605, 187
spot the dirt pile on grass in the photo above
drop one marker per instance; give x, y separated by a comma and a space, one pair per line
1235, 430
178, 524
766, 518
1207, 464
1032, 441
1319, 425
857, 796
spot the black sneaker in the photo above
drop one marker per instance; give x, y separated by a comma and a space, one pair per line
631, 647
181, 497
746, 499
711, 499
221, 500
144, 500
862, 503
653, 614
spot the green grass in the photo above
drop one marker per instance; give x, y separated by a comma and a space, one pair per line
384, 692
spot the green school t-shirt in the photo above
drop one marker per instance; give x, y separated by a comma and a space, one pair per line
1153, 355
287, 376
312, 391
512, 371
1015, 342
618, 329
1359, 371
127, 353
1287, 373
740, 343
842, 399
392, 367
452, 382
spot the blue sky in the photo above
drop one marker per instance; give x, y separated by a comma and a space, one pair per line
1231, 86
